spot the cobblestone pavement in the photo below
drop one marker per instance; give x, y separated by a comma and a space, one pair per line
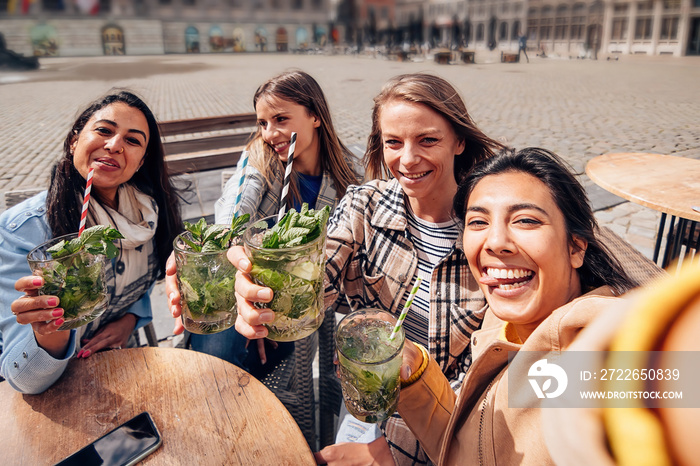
578, 108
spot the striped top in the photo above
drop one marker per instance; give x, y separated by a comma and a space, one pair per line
432, 242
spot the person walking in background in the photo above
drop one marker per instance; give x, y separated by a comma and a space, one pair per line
522, 46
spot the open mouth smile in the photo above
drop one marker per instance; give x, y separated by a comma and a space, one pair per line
505, 278
415, 176
280, 147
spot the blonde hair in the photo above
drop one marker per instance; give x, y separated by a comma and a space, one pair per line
300, 88
439, 95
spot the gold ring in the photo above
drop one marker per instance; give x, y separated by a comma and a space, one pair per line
121, 151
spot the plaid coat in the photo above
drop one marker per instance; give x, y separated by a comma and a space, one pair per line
373, 262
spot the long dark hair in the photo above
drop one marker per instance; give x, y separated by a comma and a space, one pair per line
302, 89
439, 95
600, 267
63, 203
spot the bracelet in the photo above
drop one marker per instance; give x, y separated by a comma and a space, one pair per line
416, 375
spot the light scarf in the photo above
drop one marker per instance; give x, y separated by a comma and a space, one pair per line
135, 269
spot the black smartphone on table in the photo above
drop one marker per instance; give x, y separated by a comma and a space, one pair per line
124, 446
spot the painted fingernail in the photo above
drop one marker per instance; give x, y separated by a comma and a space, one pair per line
37, 281
57, 312
52, 301
58, 322
86, 353
80, 353
265, 294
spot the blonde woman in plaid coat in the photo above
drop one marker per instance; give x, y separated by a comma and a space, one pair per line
424, 141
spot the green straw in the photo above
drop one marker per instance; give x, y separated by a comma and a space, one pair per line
409, 301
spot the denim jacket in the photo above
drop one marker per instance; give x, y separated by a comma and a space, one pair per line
27, 367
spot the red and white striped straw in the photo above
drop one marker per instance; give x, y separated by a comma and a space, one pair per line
86, 201
287, 178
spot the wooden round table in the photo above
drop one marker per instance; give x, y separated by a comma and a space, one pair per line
207, 411
666, 183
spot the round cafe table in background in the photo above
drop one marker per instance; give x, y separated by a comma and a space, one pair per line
666, 183
207, 411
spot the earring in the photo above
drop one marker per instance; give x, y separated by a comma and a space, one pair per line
121, 151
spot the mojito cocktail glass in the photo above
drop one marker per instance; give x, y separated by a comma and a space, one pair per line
369, 363
206, 281
78, 280
295, 275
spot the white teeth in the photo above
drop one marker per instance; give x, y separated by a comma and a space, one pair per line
414, 176
507, 273
511, 286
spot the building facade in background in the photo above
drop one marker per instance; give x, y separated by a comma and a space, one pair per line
567, 28
144, 27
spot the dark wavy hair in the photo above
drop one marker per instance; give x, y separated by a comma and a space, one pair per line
600, 267
63, 203
440, 96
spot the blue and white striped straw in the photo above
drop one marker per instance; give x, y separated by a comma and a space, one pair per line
287, 178
242, 164
406, 306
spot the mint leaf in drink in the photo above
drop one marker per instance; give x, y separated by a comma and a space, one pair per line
210, 238
205, 275
97, 240
296, 228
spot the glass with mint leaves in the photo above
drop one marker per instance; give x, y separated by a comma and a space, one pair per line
73, 270
369, 363
289, 256
205, 276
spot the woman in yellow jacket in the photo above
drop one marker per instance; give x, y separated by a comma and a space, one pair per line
529, 237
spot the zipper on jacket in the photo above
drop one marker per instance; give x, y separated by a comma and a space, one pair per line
481, 423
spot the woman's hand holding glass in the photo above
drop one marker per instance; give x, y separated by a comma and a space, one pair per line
250, 318
42, 313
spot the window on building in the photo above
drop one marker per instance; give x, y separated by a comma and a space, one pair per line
317, 4
105, 6
480, 32
672, 5
621, 8
165, 2
531, 29
188, 2
297, 4
619, 29
561, 22
578, 21
503, 31
642, 29
669, 28
46, 5
515, 32
385, 13
560, 30
645, 6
